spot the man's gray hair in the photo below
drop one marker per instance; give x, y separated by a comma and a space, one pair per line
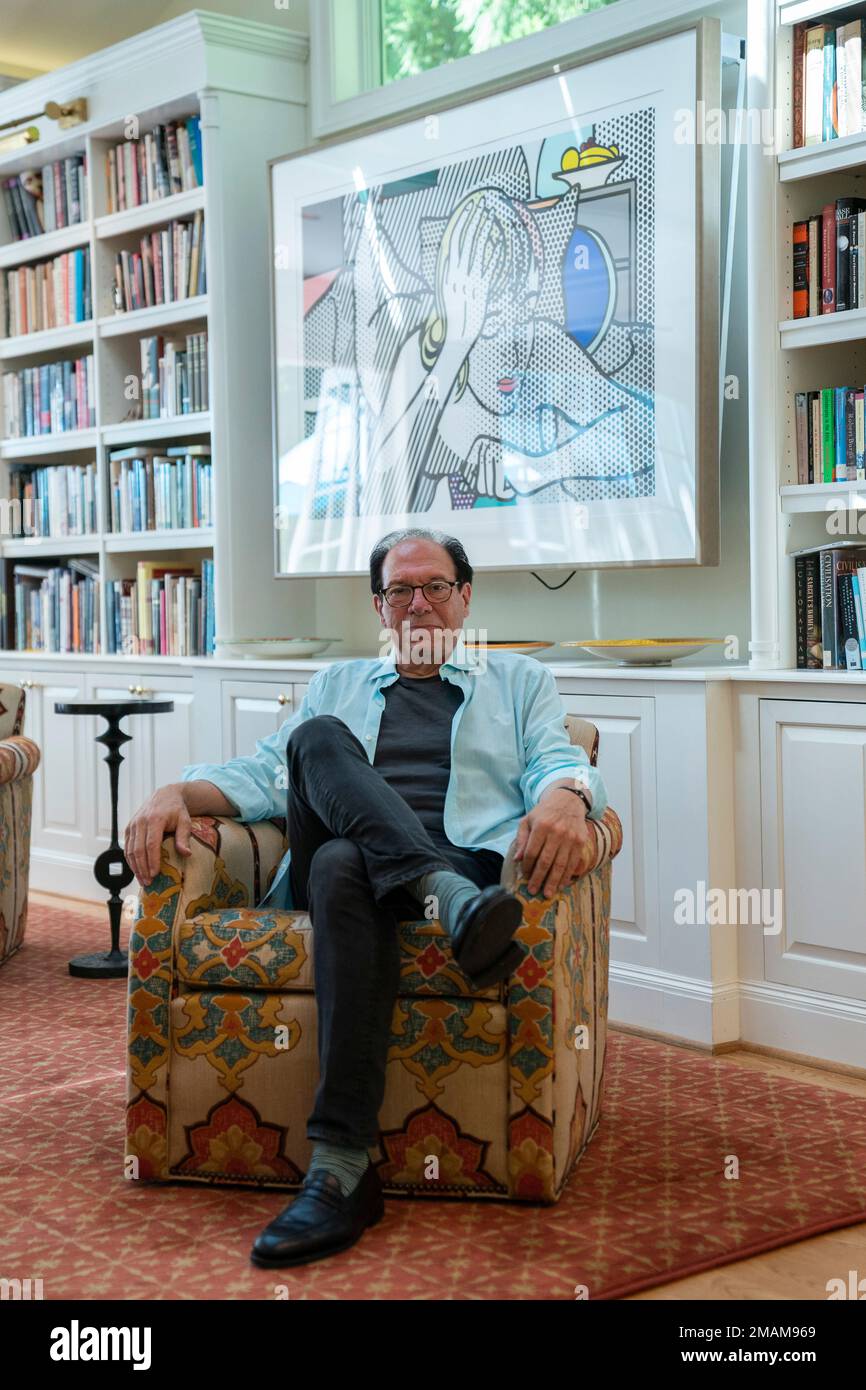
463, 571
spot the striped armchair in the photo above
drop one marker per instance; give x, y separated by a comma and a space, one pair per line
490, 1093
19, 759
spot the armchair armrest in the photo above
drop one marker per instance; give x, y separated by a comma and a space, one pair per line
19, 758
230, 864
604, 842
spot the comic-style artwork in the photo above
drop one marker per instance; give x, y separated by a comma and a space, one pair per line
482, 335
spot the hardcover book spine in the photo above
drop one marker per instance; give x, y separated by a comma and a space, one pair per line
800, 591
801, 270
799, 83
828, 609
828, 259
801, 428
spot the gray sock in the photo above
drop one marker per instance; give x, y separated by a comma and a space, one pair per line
348, 1165
449, 891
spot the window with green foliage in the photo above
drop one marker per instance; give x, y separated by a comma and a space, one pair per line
422, 34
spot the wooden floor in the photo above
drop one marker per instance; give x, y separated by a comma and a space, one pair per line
795, 1271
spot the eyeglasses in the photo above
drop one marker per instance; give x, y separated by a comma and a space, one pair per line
435, 591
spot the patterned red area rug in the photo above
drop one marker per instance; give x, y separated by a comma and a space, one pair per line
648, 1203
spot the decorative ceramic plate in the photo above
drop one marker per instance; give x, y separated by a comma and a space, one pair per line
503, 646
645, 651
275, 648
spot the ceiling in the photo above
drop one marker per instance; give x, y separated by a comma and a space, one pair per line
40, 35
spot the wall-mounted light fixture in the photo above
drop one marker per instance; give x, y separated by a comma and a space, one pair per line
66, 114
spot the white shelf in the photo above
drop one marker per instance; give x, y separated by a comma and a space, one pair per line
34, 546
37, 248
248, 83
34, 446
47, 340
799, 11
849, 326
816, 497
153, 214
161, 540
156, 316
140, 431
810, 161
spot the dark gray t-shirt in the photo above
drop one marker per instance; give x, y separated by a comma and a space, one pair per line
413, 751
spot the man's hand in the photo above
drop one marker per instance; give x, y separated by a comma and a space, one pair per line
549, 840
165, 810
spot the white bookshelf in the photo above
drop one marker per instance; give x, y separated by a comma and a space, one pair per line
247, 83
791, 355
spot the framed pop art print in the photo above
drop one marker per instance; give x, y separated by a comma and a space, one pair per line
501, 319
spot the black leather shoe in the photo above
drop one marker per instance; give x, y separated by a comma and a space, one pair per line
481, 942
320, 1221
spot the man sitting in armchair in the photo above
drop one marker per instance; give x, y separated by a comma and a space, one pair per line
404, 781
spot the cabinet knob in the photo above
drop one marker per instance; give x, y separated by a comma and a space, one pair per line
140, 690
30, 685
282, 699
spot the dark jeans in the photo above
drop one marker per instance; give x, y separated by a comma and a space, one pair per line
354, 842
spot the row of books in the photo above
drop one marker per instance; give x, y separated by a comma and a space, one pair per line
830, 259
161, 491
170, 266
54, 500
167, 610
50, 294
828, 89
164, 611
165, 160
50, 399
57, 607
830, 604
45, 199
829, 429
174, 375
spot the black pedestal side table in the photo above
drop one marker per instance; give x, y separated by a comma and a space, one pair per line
111, 869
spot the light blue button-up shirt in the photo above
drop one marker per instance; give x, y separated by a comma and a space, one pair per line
508, 744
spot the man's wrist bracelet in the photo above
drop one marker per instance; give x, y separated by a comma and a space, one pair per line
583, 796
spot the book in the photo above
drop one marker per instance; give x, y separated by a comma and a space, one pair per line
834, 560
828, 433
813, 96
798, 84
801, 270
848, 640
802, 436
845, 210
829, 121
859, 616
828, 259
851, 36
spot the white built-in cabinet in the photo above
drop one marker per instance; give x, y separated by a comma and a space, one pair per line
723, 779
813, 807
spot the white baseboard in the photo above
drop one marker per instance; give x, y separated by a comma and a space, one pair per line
676, 1005
68, 874
828, 1028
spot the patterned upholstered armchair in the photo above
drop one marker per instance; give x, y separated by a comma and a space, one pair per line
19, 759
502, 1086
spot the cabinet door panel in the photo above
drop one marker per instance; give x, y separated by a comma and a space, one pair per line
63, 810
813, 844
253, 710
166, 739
626, 761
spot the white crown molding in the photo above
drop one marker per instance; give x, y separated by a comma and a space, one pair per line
196, 31
253, 36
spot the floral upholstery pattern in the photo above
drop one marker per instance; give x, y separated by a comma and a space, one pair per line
489, 1093
19, 759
